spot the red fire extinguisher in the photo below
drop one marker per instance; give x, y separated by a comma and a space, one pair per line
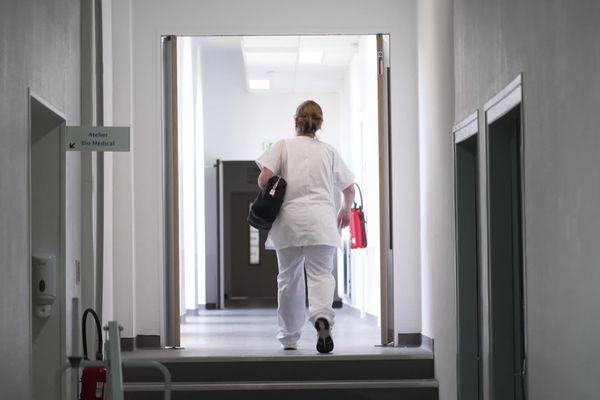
93, 379
358, 231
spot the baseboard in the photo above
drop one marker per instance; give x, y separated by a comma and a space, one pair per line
414, 340
427, 342
127, 344
147, 341
210, 306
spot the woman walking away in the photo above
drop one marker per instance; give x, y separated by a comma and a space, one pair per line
306, 232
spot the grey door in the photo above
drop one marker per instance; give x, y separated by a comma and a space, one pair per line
507, 316
249, 271
468, 269
253, 269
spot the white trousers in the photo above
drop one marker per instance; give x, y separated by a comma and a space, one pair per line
291, 313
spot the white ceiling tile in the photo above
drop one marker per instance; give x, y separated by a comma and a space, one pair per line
276, 58
270, 41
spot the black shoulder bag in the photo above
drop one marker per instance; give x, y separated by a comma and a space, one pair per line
266, 206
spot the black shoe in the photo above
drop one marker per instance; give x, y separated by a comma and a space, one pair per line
324, 340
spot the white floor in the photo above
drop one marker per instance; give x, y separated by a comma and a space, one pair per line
250, 333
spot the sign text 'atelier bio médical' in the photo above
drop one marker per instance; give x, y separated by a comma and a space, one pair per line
97, 138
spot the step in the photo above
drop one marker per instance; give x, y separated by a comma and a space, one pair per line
426, 389
328, 376
288, 369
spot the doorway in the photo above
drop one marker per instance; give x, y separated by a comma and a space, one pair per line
251, 271
234, 120
468, 274
55, 247
505, 247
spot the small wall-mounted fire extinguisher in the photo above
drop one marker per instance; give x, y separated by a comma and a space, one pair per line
358, 231
93, 379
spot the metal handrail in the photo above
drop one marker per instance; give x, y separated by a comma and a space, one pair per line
155, 365
114, 363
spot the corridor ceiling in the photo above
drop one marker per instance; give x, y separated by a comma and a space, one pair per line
279, 59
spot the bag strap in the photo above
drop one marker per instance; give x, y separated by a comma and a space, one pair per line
360, 194
283, 160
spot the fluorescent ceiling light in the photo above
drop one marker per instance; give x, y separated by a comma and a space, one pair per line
265, 58
310, 57
259, 84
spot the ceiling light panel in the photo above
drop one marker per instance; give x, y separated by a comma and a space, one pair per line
256, 58
298, 63
259, 84
310, 57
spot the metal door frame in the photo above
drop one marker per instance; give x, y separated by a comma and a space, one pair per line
462, 131
498, 106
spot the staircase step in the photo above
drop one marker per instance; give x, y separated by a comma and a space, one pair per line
423, 389
289, 369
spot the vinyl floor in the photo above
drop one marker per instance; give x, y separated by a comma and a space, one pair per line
251, 332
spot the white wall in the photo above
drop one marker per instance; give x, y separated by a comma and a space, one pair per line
360, 149
237, 122
150, 19
107, 280
200, 184
122, 235
191, 173
436, 117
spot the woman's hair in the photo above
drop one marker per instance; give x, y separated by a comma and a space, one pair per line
309, 117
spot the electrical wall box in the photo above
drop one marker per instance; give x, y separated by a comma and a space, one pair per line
43, 274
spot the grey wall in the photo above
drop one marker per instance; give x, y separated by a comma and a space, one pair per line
39, 48
555, 44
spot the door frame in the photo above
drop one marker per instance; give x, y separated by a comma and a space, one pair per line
59, 324
386, 264
462, 131
170, 163
499, 105
172, 274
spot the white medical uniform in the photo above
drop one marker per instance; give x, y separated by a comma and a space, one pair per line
305, 233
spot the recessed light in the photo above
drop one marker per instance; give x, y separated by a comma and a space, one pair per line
259, 84
266, 58
310, 57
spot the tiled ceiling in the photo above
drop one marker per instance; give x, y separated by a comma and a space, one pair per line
277, 59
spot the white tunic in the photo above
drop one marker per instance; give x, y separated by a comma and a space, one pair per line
315, 173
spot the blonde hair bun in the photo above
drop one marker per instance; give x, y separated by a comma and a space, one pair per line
309, 117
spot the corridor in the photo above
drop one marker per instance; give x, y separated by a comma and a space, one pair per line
251, 332
488, 200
